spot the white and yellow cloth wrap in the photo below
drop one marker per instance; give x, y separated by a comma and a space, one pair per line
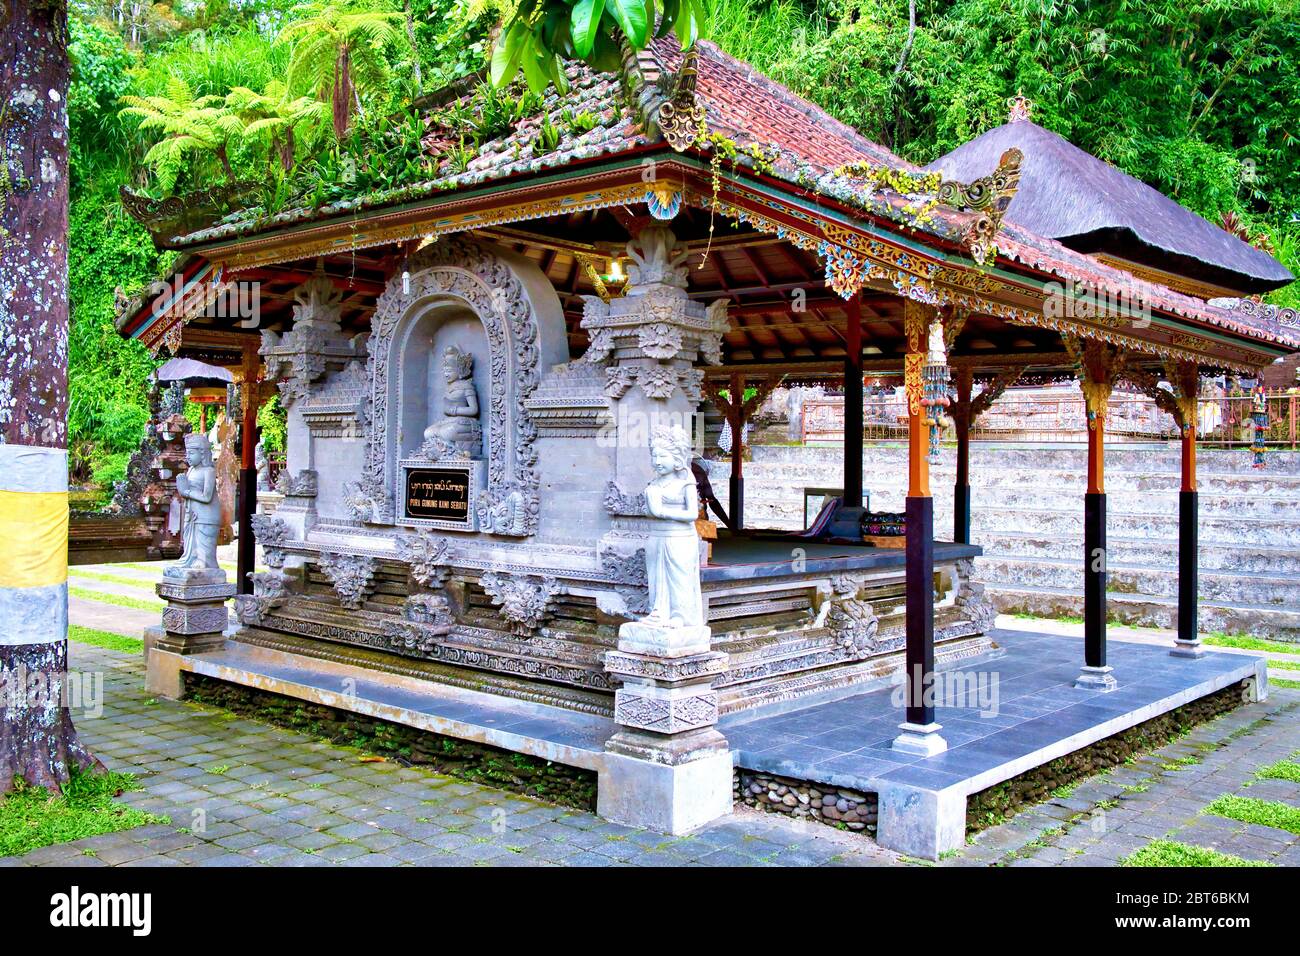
33, 544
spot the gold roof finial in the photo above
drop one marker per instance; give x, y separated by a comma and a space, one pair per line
1019, 107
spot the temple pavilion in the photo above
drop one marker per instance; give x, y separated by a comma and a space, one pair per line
686, 232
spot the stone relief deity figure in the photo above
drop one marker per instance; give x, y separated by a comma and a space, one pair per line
457, 434
202, 523
673, 554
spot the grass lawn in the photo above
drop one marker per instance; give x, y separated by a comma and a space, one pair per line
1268, 813
114, 642
1241, 641
1173, 853
141, 583
139, 604
31, 817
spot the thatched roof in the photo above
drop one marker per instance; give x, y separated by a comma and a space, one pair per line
1089, 205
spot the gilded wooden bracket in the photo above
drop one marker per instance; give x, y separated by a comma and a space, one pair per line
917, 317
982, 402
1180, 401
1100, 364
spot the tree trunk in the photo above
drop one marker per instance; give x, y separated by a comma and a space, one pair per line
37, 740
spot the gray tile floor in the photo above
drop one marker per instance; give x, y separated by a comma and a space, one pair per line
1034, 704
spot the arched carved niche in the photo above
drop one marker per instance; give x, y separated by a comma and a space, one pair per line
523, 325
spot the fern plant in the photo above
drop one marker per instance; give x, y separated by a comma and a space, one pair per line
191, 128
338, 56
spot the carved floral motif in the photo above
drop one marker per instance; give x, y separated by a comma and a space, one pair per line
429, 557
352, 576
524, 599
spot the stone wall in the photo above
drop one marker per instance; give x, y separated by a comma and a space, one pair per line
1027, 514
800, 800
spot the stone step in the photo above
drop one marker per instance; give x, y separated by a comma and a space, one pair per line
1245, 558
1144, 610
1274, 591
1149, 459
1062, 524
1033, 493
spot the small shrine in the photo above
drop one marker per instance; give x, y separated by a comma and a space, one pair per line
491, 518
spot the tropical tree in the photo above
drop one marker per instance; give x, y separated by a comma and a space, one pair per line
38, 743
276, 121
338, 54
191, 127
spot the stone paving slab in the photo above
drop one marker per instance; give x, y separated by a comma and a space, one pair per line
187, 757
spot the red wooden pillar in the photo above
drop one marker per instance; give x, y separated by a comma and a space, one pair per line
920, 732
246, 555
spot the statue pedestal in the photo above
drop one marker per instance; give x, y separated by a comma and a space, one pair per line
668, 768
195, 618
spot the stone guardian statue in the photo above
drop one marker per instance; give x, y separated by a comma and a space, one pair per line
673, 554
202, 522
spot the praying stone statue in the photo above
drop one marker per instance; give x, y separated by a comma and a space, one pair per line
202, 523
263, 466
457, 434
673, 555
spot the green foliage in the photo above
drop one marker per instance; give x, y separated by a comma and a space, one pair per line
31, 818
1267, 813
541, 34
272, 421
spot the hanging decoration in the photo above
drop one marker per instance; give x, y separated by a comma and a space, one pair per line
1259, 418
936, 378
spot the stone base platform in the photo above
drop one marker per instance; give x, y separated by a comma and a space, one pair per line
1001, 716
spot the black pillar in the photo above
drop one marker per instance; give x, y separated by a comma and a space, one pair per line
247, 549
1094, 579
920, 607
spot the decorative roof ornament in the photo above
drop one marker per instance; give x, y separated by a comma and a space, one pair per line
990, 195
1019, 108
177, 215
680, 118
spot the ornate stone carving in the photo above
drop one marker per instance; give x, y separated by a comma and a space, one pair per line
300, 485
666, 715
271, 589
361, 498
302, 355
352, 576
429, 557
619, 502
656, 320
979, 609
508, 514
272, 534
627, 571
524, 599
465, 270
851, 620
432, 609
657, 381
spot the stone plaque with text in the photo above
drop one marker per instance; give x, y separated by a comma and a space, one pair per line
440, 494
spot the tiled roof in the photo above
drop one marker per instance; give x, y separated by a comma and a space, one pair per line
749, 108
